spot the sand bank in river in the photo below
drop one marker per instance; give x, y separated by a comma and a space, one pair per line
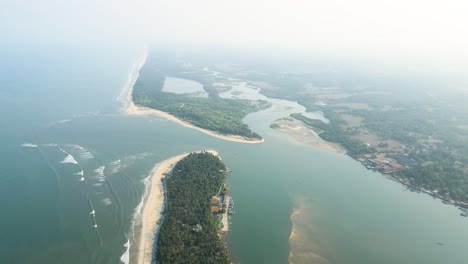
303, 247
303, 134
153, 205
131, 109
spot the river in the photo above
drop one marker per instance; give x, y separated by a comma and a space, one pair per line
60, 117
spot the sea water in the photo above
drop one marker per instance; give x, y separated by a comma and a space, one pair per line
61, 122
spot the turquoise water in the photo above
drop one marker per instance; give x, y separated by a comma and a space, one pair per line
58, 100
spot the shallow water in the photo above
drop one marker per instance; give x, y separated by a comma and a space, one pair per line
243, 90
183, 86
68, 106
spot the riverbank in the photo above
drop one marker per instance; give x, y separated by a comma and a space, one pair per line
130, 108
303, 134
153, 204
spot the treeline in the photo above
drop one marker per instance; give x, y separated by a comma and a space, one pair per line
334, 133
403, 125
444, 162
441, 171
220, 115
216, 114
189, 231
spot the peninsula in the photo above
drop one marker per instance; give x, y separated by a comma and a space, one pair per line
154, 199
189, 228
153, 204
217, 117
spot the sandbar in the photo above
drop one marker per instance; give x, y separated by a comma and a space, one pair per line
304, 134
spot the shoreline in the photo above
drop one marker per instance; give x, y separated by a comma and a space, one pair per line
153, 204
130, 108
302, 134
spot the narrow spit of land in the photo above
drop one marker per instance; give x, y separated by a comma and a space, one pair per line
153, 204
130, 108
191, 226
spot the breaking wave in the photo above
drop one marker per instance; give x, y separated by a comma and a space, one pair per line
29, 145
125, 258
84, 153
50, 145
115, 166
100, 173
69, 158
106, 201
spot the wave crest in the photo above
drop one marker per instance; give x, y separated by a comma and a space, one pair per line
69, 158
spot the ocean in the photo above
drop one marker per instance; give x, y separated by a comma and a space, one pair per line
72, 176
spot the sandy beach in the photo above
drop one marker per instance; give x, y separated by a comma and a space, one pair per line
226, 217
152, 207
303, 134
131, 109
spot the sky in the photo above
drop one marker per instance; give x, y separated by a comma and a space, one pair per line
428, 30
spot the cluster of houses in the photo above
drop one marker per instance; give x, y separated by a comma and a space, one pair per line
390, 163
219, 204
380, 162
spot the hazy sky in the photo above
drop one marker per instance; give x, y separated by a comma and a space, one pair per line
395, 28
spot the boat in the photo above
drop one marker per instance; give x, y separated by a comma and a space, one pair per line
82, 178
95, 226
92, 212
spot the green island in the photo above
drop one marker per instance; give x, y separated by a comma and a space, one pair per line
189, 231
223, 116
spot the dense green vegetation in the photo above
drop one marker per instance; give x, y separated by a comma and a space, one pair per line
430, 124
419, 118
189, 231
433, 140
441, 163
213, 113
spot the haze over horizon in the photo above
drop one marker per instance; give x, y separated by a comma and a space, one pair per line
340, 127
430, 32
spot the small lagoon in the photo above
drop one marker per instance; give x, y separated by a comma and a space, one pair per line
183, 86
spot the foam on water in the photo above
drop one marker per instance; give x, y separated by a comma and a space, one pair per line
63, 121
106, 201
115, 166
146, 181
84, 153
100, 173
69, 158
29, 145
50, 145
137, 213
125, 258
